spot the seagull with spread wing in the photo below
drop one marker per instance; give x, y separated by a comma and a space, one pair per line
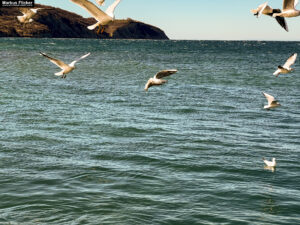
272, 103
286, 68
103, 18
66, 68
27, 15
265, 9
288, 9
156, 80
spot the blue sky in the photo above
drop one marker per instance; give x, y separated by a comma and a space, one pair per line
200, 19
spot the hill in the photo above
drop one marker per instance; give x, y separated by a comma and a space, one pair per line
51, 22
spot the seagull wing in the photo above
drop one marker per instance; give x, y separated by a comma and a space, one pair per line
24, 11
270, 98
82, 57
57, 62
110, 10
282, 22
267, 163
100, 2
92, 9
164, 73
35, 10
288, 4
290, 61
261, 8
30, 13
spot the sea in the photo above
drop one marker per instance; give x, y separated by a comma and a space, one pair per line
95, 148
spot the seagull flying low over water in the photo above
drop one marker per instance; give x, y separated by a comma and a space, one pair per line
286, 68
270, 163
288, 9
103, 18
156, 80
100, 2
66, 68
272, 103
27, 15
267, 10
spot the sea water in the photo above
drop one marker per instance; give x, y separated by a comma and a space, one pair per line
95, 148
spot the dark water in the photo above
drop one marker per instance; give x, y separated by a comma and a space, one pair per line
95, 148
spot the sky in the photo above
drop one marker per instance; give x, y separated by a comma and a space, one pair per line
199, 19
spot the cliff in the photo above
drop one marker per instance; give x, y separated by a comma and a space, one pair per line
53, 22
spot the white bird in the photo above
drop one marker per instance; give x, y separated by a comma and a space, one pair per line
267, 10
103, 18
288, 9
272, 103
66, 68
156, 80
27, 15
270, 163
100, 2
286, 68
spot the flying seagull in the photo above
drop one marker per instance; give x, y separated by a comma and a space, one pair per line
288, 9
272, 103
156, 80
100, 2
286, 68
66, 68
27, 15
103, 18
267, 10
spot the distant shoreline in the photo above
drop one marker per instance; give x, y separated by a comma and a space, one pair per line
132, 39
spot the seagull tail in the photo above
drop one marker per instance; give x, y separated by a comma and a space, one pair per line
92, 27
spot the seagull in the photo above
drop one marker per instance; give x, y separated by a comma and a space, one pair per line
156, 80
267, 10
270, 163
272, 103
288, 9
65, 67
286, 68
103, 18
100, 2
27, 15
